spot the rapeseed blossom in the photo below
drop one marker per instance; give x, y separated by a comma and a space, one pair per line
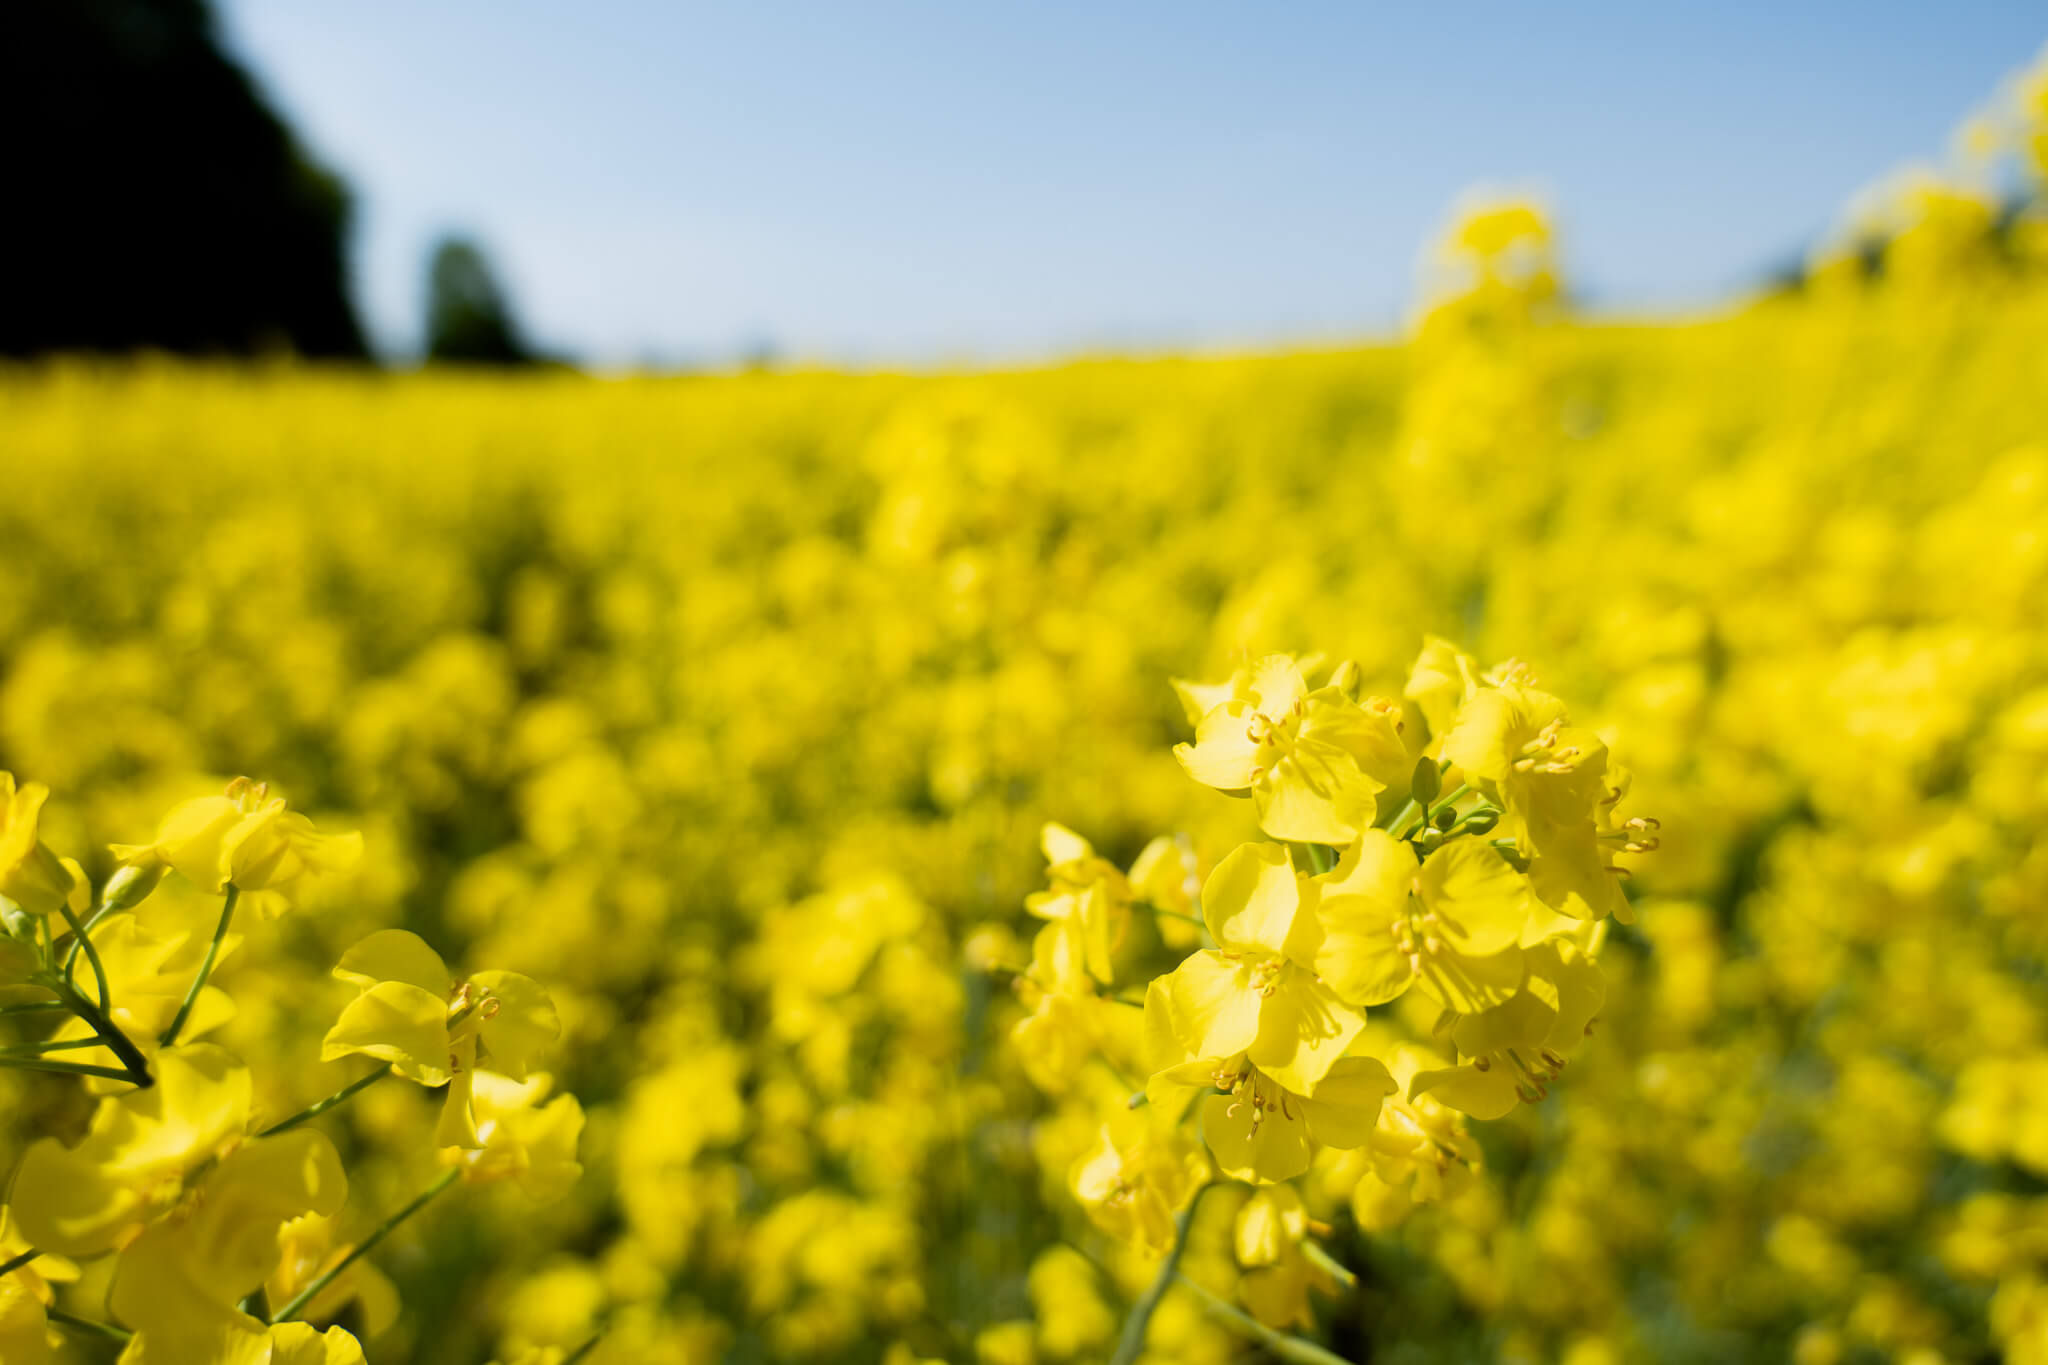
732, 712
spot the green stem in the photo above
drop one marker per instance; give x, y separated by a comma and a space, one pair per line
103, 1329
1328, 1264
1400, 815
35, 1007
100, 912
72, 1069
220, 931
109, 1033
383, 1230
581, 1351
92, 955
1400, 825
38, 1049
1321, 858
1131, 1344
1173, 914
315, 1110
14, 1263
1279, 1343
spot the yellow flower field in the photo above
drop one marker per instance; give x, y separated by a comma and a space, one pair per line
813, 941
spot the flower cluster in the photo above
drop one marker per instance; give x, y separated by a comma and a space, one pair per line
1461, 842
734, 709
218, 1221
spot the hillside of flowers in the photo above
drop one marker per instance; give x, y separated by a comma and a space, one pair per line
1525, 843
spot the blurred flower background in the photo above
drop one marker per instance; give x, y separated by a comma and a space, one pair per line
727, 696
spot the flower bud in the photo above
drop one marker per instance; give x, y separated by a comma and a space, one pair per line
131, 884
1427, 781
1348, 679
1479, 821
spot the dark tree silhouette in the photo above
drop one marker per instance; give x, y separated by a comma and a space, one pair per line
154, 198
468, 319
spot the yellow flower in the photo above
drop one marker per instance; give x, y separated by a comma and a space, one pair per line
1163, 875
1442, 678
25, 1337
1089, 901
47, 1268
308, 1249
1453, 924
148, 974
287, 1343
1058, 1037
294, 1343
24, 1294
1313, 762
1139, 1174
31, 875
247, 838
1256, 994
434, 1029
1271, 1227
1262, 1131
1419, 1142
83, 1200
179, 1285
520, 1139
1551, 777
1519, 1047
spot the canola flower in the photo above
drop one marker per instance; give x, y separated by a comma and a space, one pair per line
1268, 1026
732, 712
174, 1181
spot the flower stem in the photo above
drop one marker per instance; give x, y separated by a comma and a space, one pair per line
108, 1032
92, 955
383, 1230
1399, 817
73, 1069
220, 931
103, 1329
61, 1045
14, 1263
35, 1007
1279, 1343
581, 1351
319, 1107
1328, 1264
79, 940
1131, 1344
1401, 825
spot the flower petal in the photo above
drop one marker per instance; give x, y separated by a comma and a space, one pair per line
394, 1022
1252, 901
1214, 1006
395, 955
1224, 754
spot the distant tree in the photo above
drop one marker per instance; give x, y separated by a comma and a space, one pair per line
468, 318
154, 198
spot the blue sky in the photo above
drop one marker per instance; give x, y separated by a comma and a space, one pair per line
981, 181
